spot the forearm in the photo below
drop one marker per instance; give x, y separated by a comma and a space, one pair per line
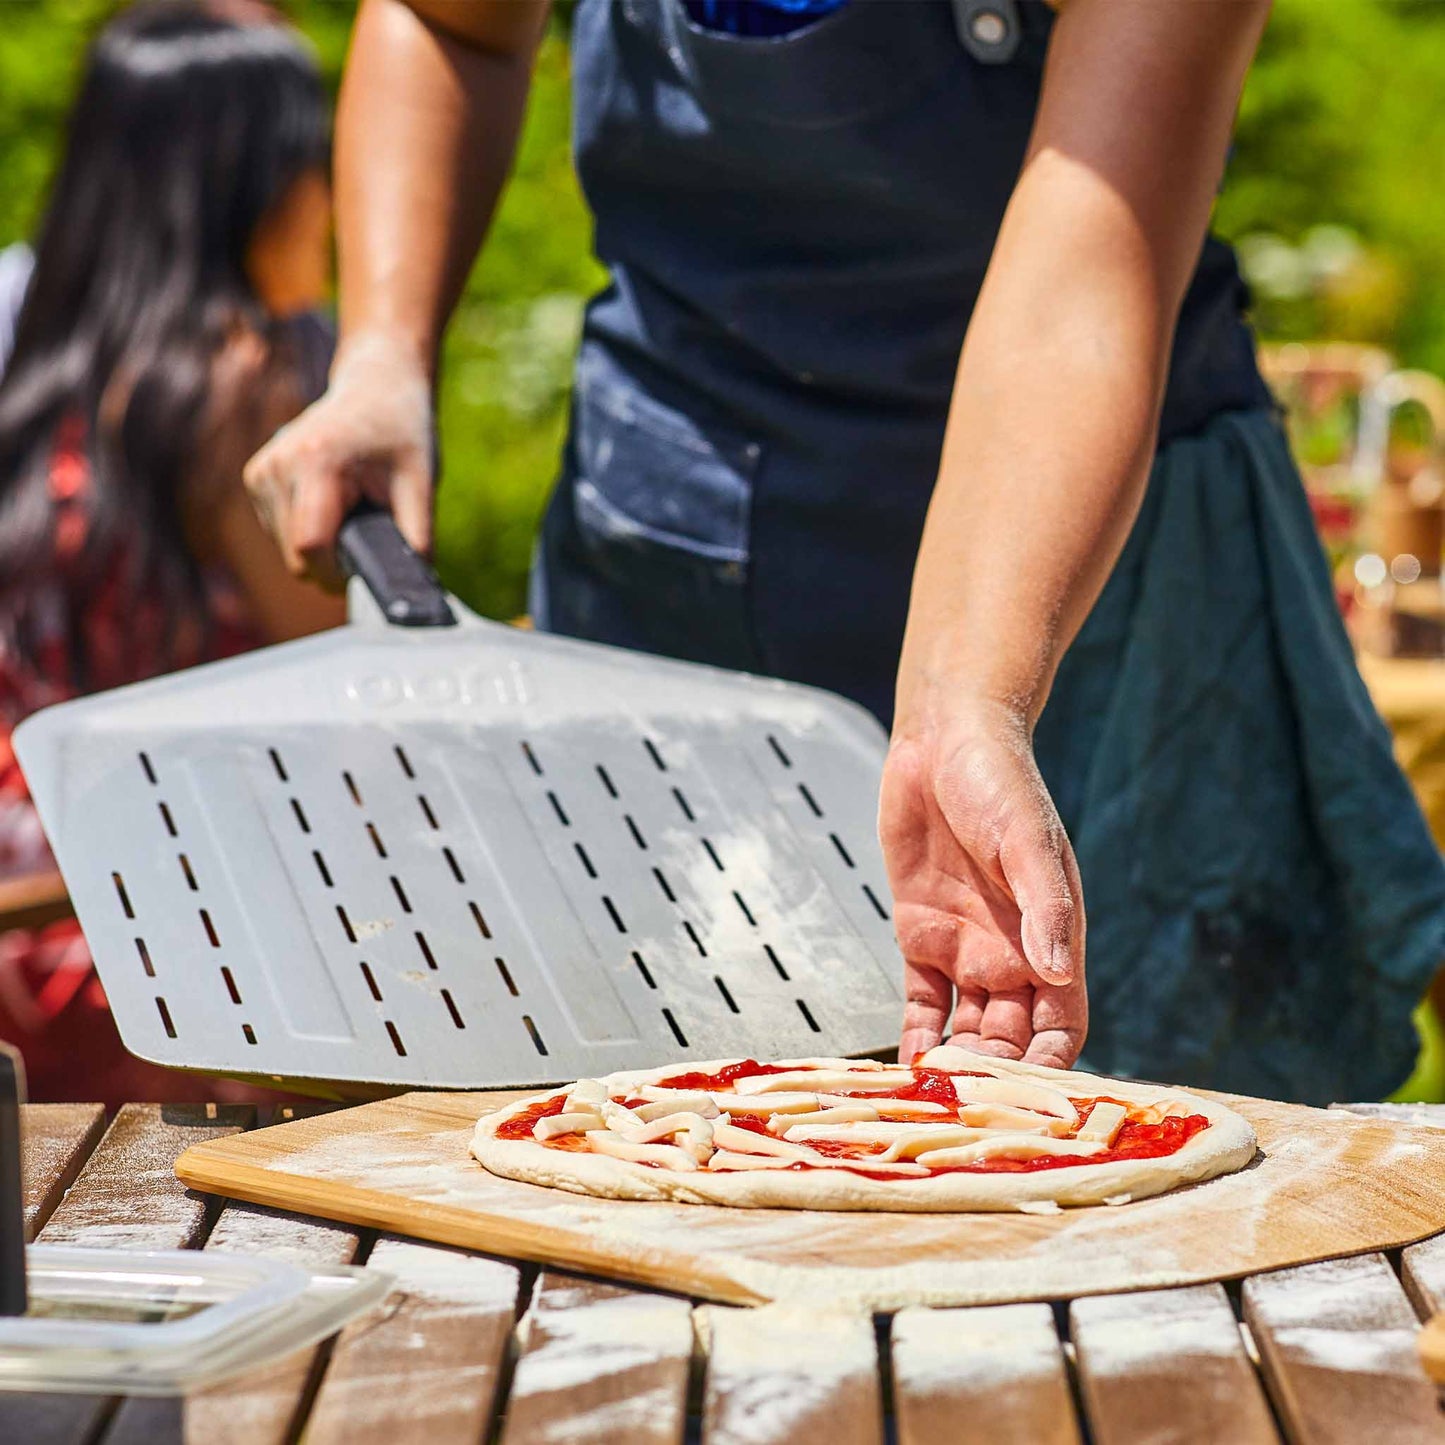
1044, 461
1055, 409
430, 109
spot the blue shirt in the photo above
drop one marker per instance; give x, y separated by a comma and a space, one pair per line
759, 18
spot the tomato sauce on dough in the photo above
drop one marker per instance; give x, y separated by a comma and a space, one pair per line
1135, 1139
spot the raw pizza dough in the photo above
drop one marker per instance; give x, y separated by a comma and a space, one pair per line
1001, 1103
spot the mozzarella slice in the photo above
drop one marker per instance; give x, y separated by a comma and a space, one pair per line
764, 1105
1019, 1093
850, 1113
603, 1141
675, 1103
927, 1141
573, 1122
729, 1161
1007, 1146
620, 1117
744, 1141
877, 1166
724, 1161
587, 1092
956, 1060
874, 1133
865, 1081
1104, 1122
694, 1134
902, 1108
1011, 1120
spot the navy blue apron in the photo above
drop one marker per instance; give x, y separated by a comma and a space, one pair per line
796, 230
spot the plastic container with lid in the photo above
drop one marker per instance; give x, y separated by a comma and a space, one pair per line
166, 1321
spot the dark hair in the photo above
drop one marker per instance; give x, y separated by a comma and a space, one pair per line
192, 120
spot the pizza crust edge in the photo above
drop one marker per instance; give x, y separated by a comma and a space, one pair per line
1227, 1145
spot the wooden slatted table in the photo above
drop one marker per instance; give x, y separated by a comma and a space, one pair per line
473, 1349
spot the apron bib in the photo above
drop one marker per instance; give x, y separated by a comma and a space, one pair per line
796, 229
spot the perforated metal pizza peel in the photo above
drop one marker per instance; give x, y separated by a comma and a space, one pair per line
466, 856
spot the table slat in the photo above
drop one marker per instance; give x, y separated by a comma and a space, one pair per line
264, 1406
425, 1364
989, 1376
783, 1373
126, 1196
600, 1364
1168, 1365
55, 1140
1337, 1346
1422, 1270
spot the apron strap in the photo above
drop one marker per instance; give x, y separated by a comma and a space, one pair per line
988, 29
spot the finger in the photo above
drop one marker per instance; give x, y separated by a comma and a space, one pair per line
1060, 1025
274, 504
998, 1048
255, 474
258, 488
968, 1012
411, 505
970, 1031
1049, 898
1008, 1019
928, 994
993, 1048
257, 478
318, 507
1054, 1049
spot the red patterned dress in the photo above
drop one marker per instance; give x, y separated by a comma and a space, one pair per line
52, 1006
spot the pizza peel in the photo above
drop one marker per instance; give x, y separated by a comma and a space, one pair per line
426, 850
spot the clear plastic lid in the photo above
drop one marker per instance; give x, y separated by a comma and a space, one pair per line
165, 1321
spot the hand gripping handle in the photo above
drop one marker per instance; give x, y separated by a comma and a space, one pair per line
405, 588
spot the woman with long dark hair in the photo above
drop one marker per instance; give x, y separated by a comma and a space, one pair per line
165, 332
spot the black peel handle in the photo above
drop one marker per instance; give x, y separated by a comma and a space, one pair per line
371, 547
12, 1213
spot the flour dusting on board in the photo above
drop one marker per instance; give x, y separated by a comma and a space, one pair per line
1323, 1184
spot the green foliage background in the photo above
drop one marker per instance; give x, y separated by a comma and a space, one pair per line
1335, 186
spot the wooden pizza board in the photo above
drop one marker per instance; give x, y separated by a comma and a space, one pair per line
1325, 1183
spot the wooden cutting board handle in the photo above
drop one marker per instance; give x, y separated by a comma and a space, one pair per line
1431, 1344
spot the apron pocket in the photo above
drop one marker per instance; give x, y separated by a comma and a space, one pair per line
662, 507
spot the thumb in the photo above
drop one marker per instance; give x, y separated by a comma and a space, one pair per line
930, 996
1039, 867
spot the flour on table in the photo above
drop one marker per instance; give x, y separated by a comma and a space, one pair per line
770, 1369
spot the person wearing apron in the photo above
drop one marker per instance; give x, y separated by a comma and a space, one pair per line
1074, 571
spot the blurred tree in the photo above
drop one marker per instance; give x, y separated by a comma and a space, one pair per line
1333, 188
